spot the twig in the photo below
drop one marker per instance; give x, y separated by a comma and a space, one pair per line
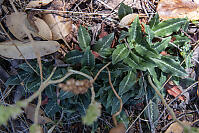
138, 116
189, 88
164, 102
37, 110
100, 71
118, 97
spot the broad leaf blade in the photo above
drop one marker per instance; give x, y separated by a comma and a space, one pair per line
88, 58
104, 43
73, 57
169, 65
146, 51
154, 21
150, 34
120, 53
135, 34
127, 82
167, 27
83, 38
160, 46
124, 10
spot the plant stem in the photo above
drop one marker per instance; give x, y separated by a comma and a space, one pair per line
165, 103
118, 97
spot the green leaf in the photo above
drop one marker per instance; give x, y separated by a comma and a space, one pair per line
26, 67
152, 112
92, 113
127, 82
106, 52
134, 61
167, 27
7, 112
150, 34
124, 10
83, 38
120, 53
154, 21
73, 57
65, 94
13, 80
146, 51
123, 35
161, 46
181, 40
104, 43
135, 33
169, 65
52, 107
50, 91
88, 58
33, 86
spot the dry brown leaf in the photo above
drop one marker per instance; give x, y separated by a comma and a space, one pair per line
178, 9
30, 113
38, 3
60, 28
7, 49
44, 30
119, 129
128, 19
114, 3
16, 23
176, 128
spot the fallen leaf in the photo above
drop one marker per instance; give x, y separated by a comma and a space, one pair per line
43, 29
38, 3
114, 3
128, 19
16, 23
174, 90
178, 9
59, 26
119, 129
7, 49
176, 128
30, 113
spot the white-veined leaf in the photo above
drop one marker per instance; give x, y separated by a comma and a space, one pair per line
73, 57
104, 42
169, 65
127, 82
135, 33
83, 38
167, 27
154, 21
120, 53
88, 58
160, 46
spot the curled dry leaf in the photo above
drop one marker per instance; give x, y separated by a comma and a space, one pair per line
128, 19
119, 129
114, 3
38, 3
178, 9
30, 113
176, 128
16, 23
174, 90
7, 49
59, 26
43, 29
